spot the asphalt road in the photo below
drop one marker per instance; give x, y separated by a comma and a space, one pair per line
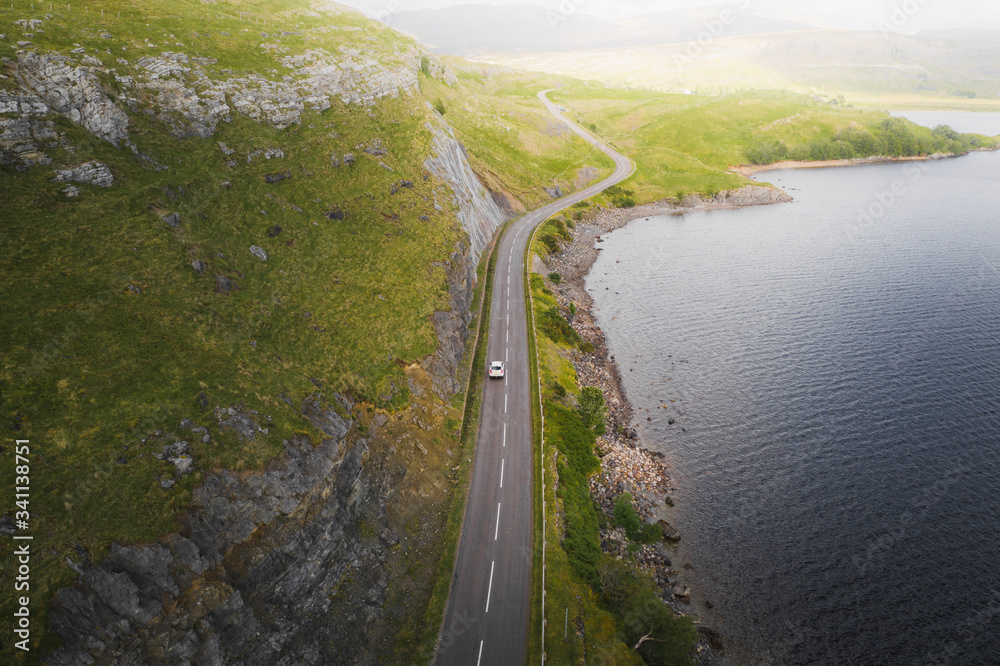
486, 621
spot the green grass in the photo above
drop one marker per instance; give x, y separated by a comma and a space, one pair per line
502, 123
686, 144
110, 336
591, 616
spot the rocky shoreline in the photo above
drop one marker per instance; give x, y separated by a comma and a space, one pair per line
627, 465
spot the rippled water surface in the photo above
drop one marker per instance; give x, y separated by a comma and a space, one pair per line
833, 367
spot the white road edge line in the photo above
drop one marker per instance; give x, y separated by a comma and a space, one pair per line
501, 485
496, 530
489, 590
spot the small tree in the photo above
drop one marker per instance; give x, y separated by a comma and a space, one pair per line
439, 106
592, 409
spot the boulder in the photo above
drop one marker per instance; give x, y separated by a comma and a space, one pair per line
223, 284
92, 173
183, 463
258, 252
277, 176
669, 532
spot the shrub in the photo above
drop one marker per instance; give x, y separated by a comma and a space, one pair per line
620, 197
550, 242
439, 106
628, 519
555, 277
670, 636
577, 463
766, 152
592, 409
557, 329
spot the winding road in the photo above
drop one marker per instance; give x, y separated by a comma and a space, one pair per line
486, 620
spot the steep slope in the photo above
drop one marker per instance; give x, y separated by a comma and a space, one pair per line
239, 246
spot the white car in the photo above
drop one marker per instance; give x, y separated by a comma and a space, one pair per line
497, 369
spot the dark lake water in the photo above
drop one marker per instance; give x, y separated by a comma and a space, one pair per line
833, 367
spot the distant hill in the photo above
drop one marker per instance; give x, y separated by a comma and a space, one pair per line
476, 30
963, 35
824, 61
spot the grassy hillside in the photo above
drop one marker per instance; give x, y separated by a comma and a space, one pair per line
113, 335
686, 143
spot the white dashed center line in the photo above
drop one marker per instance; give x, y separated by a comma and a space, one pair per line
496, 530
489, 590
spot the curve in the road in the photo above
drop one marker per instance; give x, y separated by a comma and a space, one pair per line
486, 619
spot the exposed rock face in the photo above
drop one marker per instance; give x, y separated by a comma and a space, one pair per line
94, 173
193, 103
260, 562
748, 195
73, 92
477, 211
452, 326
22, 139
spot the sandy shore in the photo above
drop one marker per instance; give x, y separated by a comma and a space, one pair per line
748, 170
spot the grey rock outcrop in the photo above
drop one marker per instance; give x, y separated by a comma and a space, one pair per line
253, 574
93, 173
748, 195
23, 138
478, 213
452, 326
74, 92
258, 252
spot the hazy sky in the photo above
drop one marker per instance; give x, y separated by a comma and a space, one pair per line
907, 16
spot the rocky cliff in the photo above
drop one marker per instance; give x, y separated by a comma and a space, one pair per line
291, 563
477, 211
